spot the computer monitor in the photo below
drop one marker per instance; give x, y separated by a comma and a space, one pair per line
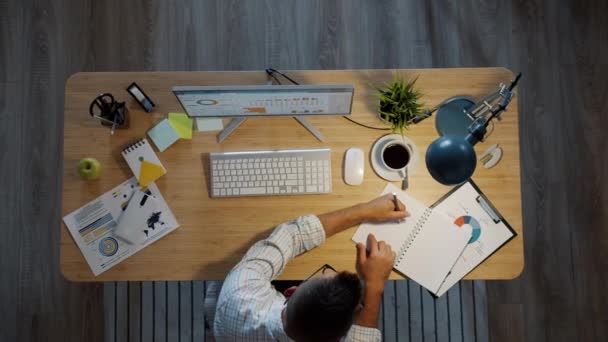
265, 100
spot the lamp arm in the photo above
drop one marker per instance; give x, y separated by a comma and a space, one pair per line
504, 102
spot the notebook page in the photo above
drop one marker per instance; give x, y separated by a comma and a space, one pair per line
394, 232
434, 251
137, 152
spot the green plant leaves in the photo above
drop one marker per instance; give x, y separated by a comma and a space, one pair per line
399, 103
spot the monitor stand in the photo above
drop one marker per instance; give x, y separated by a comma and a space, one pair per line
236, 122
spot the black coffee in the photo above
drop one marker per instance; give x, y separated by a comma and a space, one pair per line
396, 156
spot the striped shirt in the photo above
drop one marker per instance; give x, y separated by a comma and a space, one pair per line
248, 307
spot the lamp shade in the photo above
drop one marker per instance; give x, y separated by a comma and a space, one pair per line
451, 160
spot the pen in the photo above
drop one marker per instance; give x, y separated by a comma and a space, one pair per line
395, 202
114, 124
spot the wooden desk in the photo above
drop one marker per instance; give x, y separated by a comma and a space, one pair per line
215, 233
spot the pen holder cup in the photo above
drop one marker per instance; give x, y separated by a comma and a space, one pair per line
109, 112
122, 117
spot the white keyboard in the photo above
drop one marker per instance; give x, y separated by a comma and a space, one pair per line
263, 173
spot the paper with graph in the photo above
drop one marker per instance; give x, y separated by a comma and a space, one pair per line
92, 226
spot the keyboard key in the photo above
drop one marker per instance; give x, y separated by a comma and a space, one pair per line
253, 191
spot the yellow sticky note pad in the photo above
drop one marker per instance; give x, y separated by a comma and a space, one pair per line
182, 124
150, 172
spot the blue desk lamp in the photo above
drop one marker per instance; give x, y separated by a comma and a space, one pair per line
451, 158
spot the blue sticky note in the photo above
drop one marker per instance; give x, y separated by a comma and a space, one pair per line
163, 135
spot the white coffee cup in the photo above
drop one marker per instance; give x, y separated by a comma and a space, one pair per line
397, 156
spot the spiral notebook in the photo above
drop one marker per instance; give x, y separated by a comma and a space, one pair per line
427, 243
143, 162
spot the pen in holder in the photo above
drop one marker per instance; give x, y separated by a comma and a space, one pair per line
109, 112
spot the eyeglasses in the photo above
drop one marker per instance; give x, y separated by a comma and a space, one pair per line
325, 269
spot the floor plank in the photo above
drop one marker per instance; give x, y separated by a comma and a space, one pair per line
415, 308
429, 330
467, 310
134, 311
481, 311
198, 313
454, 313
403, 308
442, 318
147, 311
122, 312
160, 311
173, 310
109, 309
389, 300
185, 310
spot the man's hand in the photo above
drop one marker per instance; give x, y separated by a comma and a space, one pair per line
374, 263
383, 209
374, 268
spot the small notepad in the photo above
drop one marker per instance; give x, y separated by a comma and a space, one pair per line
182, 124
209, 124
163, 135
143, 162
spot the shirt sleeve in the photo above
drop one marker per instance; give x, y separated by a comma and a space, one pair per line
269, 257
247, 294
358, 333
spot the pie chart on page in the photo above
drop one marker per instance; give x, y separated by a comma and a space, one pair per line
470, 220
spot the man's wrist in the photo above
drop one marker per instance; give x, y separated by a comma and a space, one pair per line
362, 212
374, 288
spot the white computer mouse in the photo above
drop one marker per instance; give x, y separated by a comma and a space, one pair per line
354, 166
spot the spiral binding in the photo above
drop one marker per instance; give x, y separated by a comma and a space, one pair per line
410, 238
134, 146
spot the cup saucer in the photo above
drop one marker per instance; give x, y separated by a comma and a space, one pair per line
376, 157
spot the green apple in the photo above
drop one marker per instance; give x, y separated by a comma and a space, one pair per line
89, 168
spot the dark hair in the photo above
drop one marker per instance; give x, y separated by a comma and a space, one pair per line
325, 309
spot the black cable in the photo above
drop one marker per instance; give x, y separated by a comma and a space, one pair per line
366, 126
271, 71
271, 74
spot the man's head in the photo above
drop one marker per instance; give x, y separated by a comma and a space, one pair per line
324, 307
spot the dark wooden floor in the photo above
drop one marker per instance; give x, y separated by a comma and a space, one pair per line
560, 46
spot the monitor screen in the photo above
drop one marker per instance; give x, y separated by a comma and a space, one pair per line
266, 100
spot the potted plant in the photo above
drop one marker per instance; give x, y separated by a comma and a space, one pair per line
399, 103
